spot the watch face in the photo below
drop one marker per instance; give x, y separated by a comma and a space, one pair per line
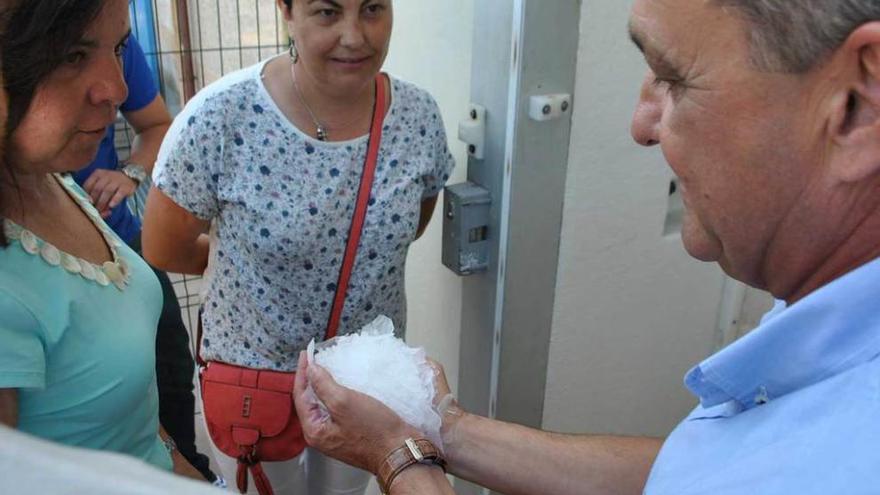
135, 172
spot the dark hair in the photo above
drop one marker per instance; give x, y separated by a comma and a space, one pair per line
289, 3
33, 43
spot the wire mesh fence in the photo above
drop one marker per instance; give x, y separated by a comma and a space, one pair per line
190, 44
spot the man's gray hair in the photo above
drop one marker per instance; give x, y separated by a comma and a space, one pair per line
796, 35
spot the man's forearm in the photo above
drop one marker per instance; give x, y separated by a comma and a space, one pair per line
145, 147
517, 460
421, 480
150, 124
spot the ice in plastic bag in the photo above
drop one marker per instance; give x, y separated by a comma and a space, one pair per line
376, 363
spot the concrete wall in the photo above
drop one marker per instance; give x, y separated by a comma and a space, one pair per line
633, 312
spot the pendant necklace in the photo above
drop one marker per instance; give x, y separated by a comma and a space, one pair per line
320, 129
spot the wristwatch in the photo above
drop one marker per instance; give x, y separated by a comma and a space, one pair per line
169, 444
413, 452
134, 172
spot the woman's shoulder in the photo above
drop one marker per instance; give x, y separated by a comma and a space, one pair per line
22, 304
222, 93
215, 108
411, 94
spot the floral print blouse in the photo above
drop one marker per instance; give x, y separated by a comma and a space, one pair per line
282, 203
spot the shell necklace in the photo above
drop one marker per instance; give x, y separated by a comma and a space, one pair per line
114, 272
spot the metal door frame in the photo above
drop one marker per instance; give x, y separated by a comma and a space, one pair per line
521, 48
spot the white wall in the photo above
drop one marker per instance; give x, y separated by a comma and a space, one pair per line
633, 312
431, 46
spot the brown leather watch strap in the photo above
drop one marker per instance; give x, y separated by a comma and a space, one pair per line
420, 451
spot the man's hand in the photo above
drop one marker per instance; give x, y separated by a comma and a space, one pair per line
445, 404
354, 428
108, 188
441, 385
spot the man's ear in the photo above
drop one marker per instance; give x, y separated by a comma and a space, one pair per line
856, 123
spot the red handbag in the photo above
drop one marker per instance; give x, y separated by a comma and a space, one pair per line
250, 412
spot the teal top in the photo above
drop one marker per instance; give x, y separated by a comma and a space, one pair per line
78, 342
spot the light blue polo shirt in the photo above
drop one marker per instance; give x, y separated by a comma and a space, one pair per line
791, 408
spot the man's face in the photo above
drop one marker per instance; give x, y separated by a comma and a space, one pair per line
740, 140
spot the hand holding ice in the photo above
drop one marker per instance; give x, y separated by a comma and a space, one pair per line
376, 363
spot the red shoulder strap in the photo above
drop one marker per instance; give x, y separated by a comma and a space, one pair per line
360, 211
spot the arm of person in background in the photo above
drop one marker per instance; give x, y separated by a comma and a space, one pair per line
501, 456
108, 188
9, 407
174, 240
182, 466
425, 214
150, 125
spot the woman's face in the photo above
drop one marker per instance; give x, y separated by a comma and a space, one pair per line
73, 106
341, 43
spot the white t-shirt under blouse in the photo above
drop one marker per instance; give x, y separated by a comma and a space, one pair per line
282, 204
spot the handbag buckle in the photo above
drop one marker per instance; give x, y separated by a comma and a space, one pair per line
248, 456
246, 406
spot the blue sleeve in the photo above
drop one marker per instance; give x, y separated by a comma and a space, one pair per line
22, 353
138, 76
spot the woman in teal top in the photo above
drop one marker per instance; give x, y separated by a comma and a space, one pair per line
78, 308
77, 340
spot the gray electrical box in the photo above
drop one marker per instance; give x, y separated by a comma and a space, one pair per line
466, 228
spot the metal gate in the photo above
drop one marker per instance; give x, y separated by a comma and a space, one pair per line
188, 45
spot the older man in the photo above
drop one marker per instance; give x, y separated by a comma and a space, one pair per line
769, 113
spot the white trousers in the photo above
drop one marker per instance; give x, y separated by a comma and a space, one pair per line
311, 473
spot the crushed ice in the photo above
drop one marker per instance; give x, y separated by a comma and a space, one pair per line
375, 362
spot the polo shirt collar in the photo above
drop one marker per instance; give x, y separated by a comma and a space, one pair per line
830, 331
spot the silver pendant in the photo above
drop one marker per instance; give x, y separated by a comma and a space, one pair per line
321, 133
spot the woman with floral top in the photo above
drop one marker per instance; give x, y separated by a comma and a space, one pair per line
272, 155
